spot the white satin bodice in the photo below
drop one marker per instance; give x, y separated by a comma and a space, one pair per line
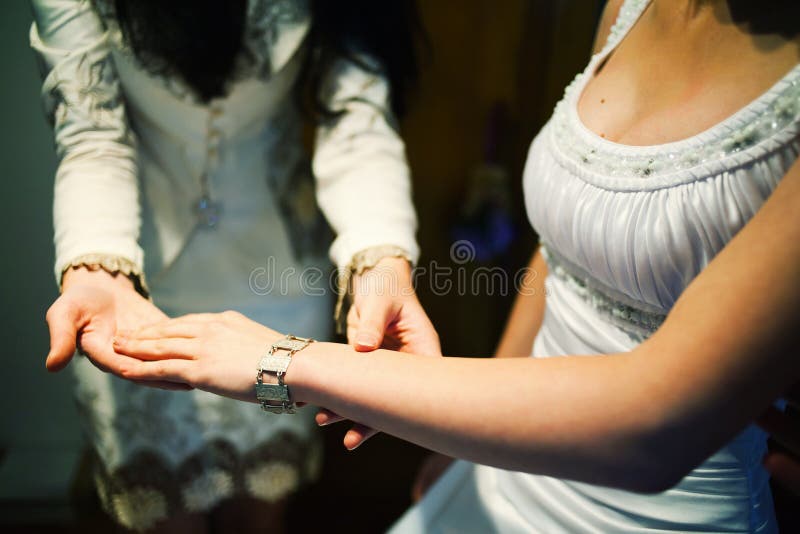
639, 223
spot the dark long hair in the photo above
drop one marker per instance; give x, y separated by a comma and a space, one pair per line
202, 41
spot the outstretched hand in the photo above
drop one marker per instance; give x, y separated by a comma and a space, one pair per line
385, 313
215, 352
91, 308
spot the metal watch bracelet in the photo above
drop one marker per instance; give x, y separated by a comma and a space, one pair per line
276, 398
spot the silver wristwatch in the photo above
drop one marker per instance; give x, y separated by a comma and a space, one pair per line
275, 397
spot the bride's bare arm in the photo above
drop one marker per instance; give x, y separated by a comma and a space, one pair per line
727, 349
639, 420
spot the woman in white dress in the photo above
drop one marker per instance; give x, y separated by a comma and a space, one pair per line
179, 131
666, 322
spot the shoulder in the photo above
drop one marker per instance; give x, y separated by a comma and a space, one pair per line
66, 24
607, 19
59, 10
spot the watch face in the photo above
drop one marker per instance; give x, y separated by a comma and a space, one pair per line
290, 344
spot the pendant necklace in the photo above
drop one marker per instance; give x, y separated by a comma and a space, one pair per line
206, 209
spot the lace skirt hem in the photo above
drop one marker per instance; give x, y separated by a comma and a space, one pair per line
147, 489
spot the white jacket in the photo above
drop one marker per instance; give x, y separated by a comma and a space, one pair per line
120, 130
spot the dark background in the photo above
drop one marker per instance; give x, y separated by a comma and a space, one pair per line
495, 70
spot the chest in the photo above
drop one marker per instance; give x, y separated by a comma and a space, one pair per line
644, 236
675, 90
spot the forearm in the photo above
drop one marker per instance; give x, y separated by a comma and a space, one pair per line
97, 278
363, 183
96, 193
490, 414
639, 420
527, 313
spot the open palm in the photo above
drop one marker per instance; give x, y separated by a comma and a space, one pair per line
89, 313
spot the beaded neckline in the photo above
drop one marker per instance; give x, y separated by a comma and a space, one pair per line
774, 114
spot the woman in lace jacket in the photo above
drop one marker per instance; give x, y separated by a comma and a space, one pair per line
179, 131
661, 320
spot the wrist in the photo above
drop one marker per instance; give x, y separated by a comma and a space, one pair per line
394, 264
116, 267
81, 275
362, 266
390, 277
303, 374
272, 389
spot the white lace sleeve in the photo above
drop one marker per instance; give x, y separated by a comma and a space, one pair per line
363, 183
96, 197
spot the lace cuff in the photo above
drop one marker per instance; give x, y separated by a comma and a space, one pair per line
113, 265
362, 261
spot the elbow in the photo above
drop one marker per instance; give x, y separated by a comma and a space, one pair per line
630, 472
653, 464
647, 457
622, 472
650, 451
630, 468
652, 480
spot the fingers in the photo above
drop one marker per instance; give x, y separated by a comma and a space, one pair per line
431, 345
432, 469
177, 371
181, 327
63, 322
782, 427
110, 361
424, 335
354, 437
197, 325
783, 465
375, 313
352, 324
785, 469
428, 341
357, 435
169, 386
158, 348
189, 325
326, 417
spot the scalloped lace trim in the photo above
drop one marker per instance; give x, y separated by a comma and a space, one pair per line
113, 265
362, 261
147, 489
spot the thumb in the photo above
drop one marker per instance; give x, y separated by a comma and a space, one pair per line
62, 321
374, 315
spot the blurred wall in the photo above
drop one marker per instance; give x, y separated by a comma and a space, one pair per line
36, 405
517, 55
38, 425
